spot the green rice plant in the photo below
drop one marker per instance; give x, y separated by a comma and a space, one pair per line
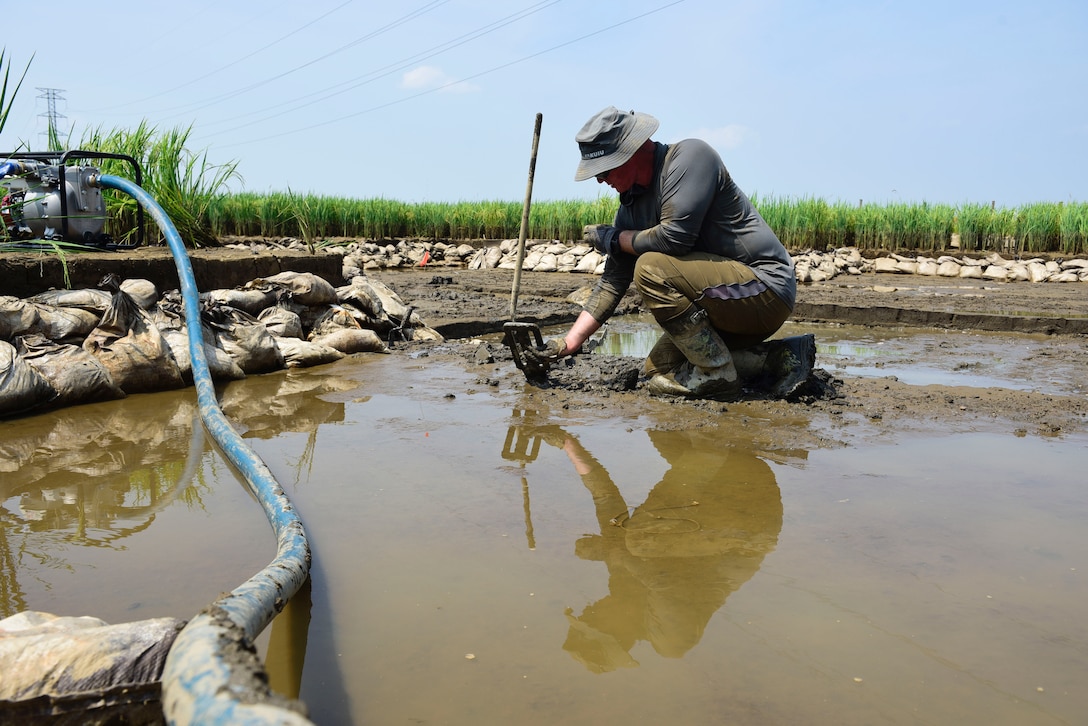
842, 218
553, 220
459, 221
1073, 228
233, 214
498, 216
274, 216
379, 219
185, 183
985, 227
415, 220
1003, 228
974, 223
569, 218
918, 226
872, 229
1038, 227
800, 224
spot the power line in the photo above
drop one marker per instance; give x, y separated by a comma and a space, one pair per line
387, 70
461, 80
369, 36
235, 62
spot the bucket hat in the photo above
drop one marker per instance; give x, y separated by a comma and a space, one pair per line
610, 138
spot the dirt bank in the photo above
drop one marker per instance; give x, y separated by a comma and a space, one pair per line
462, 304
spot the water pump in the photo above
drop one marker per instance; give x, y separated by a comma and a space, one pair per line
47, 198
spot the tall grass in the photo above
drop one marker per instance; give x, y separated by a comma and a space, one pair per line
7, 95
183, 182
7, 98
1073, 228
806, 223
279, 215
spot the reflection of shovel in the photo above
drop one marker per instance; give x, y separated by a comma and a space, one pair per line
520, 337
518, 448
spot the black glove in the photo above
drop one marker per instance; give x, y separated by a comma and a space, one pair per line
604, 237
552, 351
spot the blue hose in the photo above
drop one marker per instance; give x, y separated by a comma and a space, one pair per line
212, 675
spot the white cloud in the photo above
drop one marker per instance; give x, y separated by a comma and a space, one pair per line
725, 138
426, 78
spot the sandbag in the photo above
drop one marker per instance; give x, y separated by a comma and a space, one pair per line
24, 317
221, 365
394, 307
360, 295
252, 299
76, 375
353, 340
334, 318
244, 338
143, 292
395, 312
86, 298
169, 317
46, 655
281, 322
305, 288
16, 317
22, 389
304, 353
64, 323
421, 333
168, 313
132, 349
308, 315
381, 324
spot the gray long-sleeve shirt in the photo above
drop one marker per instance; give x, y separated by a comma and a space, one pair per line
693, 205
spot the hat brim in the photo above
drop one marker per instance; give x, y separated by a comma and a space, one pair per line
645, 126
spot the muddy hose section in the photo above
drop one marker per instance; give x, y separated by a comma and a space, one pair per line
212, 674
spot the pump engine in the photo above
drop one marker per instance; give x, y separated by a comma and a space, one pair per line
44, 197
52, 202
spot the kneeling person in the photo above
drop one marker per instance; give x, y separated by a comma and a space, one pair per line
708, 267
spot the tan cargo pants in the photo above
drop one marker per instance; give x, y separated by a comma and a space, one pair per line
740, 306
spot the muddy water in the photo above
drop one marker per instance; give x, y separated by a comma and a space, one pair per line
977, 359
480, 559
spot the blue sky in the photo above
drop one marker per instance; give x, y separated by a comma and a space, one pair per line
434, 100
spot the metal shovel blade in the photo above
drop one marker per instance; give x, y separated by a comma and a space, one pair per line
520, 337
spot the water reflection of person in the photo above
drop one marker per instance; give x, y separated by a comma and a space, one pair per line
702, 532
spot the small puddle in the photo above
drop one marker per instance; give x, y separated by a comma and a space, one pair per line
479, 559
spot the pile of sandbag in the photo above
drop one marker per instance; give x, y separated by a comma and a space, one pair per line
66, 347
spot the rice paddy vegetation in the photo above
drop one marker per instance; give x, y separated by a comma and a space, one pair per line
808, 223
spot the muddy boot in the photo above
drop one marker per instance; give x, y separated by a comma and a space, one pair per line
708, 371
777, 368
790, 362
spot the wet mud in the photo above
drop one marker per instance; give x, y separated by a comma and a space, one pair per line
467, 306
